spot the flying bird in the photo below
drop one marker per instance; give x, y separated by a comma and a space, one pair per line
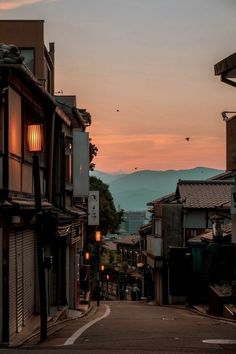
188, 138
117, 110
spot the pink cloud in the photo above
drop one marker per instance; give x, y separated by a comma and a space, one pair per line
13, 4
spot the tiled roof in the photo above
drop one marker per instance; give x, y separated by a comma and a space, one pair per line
226, 65
164, 199
67, 104
131, 239
29, 203
226, 176
207, 235
204, 194
146, 227
109, 245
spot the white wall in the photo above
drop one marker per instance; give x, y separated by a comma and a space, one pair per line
154, 246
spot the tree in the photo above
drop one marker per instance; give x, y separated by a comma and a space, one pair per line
110, 218
93, 150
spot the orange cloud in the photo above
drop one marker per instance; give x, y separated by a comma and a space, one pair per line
158, 152
13, 4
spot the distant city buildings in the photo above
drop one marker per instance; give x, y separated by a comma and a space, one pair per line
133, 220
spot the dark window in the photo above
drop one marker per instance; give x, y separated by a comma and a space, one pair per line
68, 160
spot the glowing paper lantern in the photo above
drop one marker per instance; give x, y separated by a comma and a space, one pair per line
35, 138
98, 236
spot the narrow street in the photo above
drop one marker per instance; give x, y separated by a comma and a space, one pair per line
132, 327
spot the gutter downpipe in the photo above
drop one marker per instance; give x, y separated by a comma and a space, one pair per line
79, 118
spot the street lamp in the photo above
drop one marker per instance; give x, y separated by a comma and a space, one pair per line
87, 256
98, 238
35, 146
102, 268
86, 283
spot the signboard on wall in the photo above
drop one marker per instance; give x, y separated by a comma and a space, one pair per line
80, 163
231, 144
93, 208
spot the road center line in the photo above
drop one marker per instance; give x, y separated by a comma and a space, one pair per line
78, 333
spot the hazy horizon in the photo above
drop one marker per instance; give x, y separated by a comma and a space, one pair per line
156, 170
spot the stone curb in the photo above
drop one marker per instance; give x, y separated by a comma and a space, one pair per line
202, 313
52, 328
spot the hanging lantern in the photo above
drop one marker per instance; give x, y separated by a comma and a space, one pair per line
87, 256
35, 138
98, 236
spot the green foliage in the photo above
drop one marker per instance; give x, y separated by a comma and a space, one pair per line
93, 150
110, 218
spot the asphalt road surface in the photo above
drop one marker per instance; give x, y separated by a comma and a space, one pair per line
132, 327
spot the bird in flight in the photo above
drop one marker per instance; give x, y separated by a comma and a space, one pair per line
188, 138
117, 110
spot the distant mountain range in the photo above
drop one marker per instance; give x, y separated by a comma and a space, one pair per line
133, 191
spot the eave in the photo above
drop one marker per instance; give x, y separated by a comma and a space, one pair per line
226, 68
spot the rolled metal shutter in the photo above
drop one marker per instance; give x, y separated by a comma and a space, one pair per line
19, 281
72, 278
12, 283
15, 282
29, 274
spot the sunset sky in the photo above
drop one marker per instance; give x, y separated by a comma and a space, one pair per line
153, 61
